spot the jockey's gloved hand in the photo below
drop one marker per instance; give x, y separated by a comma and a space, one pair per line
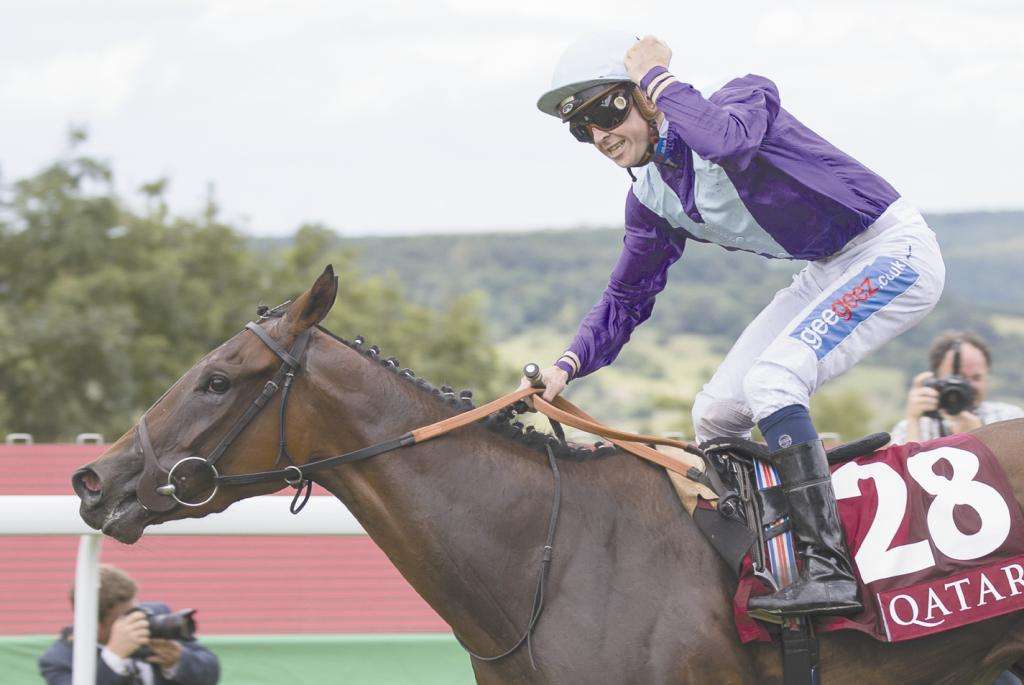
647, 53
555, 380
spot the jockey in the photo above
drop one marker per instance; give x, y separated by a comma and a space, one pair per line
732, 167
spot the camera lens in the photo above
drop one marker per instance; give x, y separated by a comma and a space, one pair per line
953, 400
955, 393
177, 626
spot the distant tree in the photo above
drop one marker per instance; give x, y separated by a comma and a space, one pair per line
102, 308
446, 344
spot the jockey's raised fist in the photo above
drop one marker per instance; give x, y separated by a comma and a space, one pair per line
646, 54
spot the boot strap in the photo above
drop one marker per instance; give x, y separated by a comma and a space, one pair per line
801, 485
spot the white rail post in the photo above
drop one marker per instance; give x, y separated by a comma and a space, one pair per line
87, 585
58, 515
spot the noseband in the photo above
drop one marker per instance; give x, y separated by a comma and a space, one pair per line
160, 490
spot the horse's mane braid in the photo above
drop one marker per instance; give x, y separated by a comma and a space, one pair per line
502, 422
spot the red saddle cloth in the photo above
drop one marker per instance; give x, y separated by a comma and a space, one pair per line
936, 537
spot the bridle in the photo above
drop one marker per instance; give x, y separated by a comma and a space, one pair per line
162, 498
160, 490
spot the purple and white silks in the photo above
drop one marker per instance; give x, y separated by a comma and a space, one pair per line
744, 174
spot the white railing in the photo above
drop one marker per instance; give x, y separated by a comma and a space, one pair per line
58, 515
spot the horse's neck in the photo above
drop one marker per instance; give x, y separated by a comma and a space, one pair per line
460, 516
1004, 439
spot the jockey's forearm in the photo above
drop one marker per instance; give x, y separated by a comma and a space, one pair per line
729, 134
602, 334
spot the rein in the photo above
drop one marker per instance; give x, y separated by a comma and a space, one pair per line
561, 410
187, 471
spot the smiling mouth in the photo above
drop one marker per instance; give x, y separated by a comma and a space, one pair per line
615, 149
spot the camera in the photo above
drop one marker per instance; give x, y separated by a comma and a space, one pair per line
955, 393
178, 625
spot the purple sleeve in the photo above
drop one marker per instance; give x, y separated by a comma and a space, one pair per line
726, 131
649, 248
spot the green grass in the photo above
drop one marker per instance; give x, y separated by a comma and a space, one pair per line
427, 659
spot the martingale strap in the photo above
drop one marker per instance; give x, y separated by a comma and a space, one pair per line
547, 554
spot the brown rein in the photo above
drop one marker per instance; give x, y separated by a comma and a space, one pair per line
564, 411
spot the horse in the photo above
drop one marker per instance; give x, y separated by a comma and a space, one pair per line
634, 593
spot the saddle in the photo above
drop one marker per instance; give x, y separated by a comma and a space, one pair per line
751, 515
747, 514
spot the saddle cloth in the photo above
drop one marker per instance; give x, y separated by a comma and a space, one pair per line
936, 538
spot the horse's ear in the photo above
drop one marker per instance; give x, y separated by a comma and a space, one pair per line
312, 306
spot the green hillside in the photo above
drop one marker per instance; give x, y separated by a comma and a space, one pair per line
113, 300
551, 278
535, 287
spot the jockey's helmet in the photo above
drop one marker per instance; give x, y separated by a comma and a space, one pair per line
594, 59
592, 88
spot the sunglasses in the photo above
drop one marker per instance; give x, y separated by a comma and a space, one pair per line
604, 107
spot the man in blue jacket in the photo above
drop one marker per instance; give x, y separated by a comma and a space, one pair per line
733, 167
122, 632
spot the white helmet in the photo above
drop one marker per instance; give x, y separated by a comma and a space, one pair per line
593, 59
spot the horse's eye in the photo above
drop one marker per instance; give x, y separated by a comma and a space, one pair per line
218, 384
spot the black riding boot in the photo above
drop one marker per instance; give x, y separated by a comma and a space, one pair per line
826, 585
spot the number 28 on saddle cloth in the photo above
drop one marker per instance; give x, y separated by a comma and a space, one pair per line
936, 538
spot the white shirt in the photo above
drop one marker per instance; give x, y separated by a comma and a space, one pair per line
144, 669
988, 412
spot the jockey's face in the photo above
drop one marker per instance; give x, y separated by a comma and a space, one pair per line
973, 367
626, 144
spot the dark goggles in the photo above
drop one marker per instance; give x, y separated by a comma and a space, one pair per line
603, 106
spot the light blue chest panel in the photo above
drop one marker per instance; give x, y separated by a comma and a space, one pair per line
727, 221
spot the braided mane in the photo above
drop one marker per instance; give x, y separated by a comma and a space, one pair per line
502, 422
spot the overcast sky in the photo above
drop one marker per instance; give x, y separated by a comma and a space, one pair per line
412, 117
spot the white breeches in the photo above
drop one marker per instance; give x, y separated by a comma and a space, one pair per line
836, 312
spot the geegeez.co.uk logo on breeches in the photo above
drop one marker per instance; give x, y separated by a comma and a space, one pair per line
874, 287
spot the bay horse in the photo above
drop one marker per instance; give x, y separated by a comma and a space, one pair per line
635, 593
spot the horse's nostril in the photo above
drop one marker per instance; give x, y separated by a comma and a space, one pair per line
91, 481
86, 483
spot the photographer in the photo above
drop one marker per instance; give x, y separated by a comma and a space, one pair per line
129, 655
951, 397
